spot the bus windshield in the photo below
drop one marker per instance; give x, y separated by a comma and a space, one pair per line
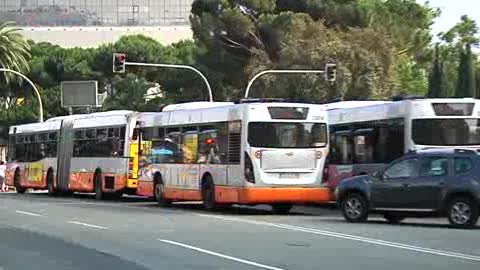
287, 135
446, 131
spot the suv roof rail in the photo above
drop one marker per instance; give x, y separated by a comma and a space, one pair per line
466, 151
454, 150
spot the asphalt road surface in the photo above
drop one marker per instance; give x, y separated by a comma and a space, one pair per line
39, 232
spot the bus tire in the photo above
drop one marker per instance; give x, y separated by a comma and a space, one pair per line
50, 184
98, 186
159, 192
281, 209
16, 183
208, 193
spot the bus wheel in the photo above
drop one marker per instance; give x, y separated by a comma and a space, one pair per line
159, 194
208, 193
16, 181
98, 186
50, 184
281, 209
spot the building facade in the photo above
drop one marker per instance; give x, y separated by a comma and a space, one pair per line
90, 23
96, 12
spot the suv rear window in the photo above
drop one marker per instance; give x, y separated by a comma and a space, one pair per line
462, 165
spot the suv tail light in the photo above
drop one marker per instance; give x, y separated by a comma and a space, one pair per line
249, 173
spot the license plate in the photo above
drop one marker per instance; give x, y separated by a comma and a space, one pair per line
289, 175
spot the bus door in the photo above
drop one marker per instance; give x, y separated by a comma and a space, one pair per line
65, 151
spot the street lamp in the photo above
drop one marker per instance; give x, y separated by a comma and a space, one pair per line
37, 93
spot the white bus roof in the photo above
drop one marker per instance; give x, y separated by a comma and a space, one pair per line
363, 111
110, 118
214, 112
91, 115
353, 104
35, 127
195, 105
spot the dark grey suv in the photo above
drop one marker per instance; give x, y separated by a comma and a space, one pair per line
434, 182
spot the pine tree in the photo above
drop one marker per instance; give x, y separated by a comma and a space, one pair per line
466, 74
436, 87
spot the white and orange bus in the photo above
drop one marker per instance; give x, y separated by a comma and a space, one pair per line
95, 152
224, 153
365, 135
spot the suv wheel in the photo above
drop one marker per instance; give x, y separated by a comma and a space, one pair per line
462, 212
354, 208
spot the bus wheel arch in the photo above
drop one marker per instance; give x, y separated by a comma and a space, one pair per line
159, 190
98, 184
16, 182
208, 192
51, 182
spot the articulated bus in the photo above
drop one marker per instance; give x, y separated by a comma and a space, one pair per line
95, 152
364, 135
225, 153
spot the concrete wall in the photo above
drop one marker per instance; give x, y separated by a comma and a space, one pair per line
94, 36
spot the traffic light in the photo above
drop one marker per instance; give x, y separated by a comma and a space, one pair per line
119, 62
330, 71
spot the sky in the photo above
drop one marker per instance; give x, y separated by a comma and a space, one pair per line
452, 10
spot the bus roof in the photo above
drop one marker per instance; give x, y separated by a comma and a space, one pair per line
363, 111
195, 105
35, 127
91, 115
110, 118
210, 112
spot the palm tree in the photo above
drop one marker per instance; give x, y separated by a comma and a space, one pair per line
14, 49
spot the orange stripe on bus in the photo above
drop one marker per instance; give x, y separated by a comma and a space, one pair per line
241, 195
145, 188
82, 181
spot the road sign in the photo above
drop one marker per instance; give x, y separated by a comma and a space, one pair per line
79, 94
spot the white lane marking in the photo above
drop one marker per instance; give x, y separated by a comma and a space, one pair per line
352, 237
87, 225
220, 255
29, 214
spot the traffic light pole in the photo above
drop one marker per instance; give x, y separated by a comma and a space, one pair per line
210, 94
37, 93
279, 71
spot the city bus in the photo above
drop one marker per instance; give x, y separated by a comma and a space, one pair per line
364, 135
95, 152
247, 153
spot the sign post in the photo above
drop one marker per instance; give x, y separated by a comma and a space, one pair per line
119, 63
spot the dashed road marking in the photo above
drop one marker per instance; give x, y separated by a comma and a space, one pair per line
351, 237
231, 258
28, 213
87, 225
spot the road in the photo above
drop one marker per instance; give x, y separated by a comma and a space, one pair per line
39, 232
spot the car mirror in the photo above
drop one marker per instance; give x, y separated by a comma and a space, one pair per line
378, 175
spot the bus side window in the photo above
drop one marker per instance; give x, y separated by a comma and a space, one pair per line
190, 147
363, 142
342, 148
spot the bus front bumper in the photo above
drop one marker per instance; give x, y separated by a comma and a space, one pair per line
271, 195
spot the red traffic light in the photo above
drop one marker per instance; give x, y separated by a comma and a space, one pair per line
119, 60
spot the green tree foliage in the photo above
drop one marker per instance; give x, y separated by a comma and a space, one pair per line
477, 78
437, 87
14, 50
466, 74
366, 38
